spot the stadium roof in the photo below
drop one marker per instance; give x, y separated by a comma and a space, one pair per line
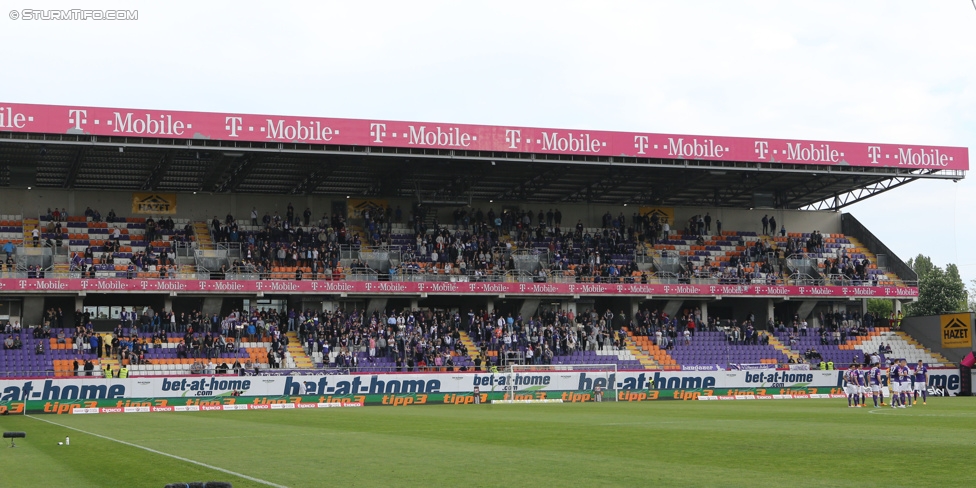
123, 149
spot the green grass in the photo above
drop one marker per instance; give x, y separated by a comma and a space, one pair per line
756, 443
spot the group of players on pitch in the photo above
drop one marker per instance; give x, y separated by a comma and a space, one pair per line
904, 383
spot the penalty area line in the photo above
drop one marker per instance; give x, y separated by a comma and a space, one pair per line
178, 458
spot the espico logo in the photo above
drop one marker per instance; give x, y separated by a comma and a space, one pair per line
955, 331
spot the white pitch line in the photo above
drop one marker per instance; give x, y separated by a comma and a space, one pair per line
178, 458
882, 411
638, 423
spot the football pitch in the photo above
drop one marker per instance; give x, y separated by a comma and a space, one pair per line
737, 443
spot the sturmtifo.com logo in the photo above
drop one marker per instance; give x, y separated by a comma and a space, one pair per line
73, 14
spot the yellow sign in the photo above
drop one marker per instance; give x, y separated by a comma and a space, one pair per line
154, 203
355, 208
664, 214
956, 332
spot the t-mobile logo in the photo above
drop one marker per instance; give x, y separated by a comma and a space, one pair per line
513, 137
377, 132
874, 152
640, 143
762, 149
77, 117
233, 125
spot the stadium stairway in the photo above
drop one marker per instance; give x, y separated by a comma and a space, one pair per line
859, 341
644, 350
297, 352
202, 233
353, 230
470, 345
620, 354
28, 226
860, 248
783, 348
109, 363
919, 347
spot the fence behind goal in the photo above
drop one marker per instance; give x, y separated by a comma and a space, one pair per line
600, 381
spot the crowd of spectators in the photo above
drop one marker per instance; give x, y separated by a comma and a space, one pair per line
286, 241
481, 246
412, 341
538, 339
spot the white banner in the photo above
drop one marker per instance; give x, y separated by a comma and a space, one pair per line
85, 388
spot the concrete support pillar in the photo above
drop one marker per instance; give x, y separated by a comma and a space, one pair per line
634, 309
414, 302
530, 306
376, 304
80, 303
672, 307
806, 306
770, 313
568, 306
168, 303
33, 312
703, 305
212, 305
490, 306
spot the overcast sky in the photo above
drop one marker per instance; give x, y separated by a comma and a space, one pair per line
866, 71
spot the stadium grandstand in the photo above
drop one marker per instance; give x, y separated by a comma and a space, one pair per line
164, 242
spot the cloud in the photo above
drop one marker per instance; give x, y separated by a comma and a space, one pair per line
893, 71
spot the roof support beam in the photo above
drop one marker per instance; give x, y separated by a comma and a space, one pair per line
159, 172
845, 199
240, 172
533, 185
76, 161
311, 182
216, 168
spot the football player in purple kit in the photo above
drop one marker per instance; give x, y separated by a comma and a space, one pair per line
892, 384
862, 386
874, 379
852, 388
921, 379
903, 382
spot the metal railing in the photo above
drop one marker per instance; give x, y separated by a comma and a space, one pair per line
502, 276
188, 273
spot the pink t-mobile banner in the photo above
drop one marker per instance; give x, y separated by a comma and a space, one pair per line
55, 119
438, 287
